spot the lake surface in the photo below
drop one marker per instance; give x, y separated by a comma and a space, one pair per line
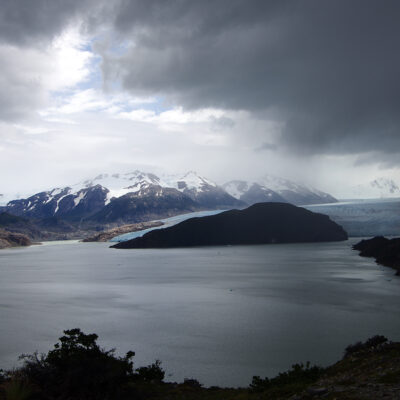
220, 314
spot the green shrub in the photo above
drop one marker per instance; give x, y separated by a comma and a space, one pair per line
77, 368
151, 373
372, 343
299, 375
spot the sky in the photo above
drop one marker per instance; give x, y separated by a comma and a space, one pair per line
233, 89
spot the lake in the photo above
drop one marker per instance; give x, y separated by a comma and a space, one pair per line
217, 314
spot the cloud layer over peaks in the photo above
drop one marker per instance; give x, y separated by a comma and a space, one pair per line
328, 70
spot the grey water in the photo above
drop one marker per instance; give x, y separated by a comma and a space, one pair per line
217, 314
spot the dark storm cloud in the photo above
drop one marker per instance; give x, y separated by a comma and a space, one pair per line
328, 70
28, 21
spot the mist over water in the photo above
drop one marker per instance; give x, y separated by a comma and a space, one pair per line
217, 314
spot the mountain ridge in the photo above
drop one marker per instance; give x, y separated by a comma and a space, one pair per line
141, 196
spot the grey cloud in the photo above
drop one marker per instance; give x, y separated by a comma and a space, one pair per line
267, 147
222, 123
384, 161
328, 70
26, 29
25, 22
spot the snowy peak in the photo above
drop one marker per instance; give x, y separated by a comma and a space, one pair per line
296, 193
190, 181
280, 184
272, 188
252, 192
378, 188
121, 184
386, 186
201, 190
61, 202
140, 192
137, 181
237, 188
88, 197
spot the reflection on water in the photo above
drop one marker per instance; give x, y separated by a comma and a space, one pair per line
220, 314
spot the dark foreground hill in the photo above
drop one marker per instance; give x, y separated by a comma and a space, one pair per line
385, 251
259, 224
78, 368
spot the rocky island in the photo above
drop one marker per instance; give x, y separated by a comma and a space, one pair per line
385, 251
261, 223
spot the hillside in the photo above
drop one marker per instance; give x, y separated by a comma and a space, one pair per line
385, 251
368, 371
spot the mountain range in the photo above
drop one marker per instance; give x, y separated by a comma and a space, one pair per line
137, 196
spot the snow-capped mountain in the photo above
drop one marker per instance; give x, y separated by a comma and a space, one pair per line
66, 202
201, 190
378, 188
149, 203
252, 192
295, 193
137, 196
146, 191
271, 188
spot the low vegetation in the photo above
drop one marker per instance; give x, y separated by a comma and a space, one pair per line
77, 368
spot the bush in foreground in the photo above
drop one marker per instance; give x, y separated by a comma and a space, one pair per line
296, 378
77, 368
370, 344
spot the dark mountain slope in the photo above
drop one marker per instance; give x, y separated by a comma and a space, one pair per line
257, 194
259, 224
152, 202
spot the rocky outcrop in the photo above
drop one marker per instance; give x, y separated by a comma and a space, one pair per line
259, 224
109, 234
10, 239
385, 251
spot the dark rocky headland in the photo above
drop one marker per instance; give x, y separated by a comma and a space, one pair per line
261, 223
385, 251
